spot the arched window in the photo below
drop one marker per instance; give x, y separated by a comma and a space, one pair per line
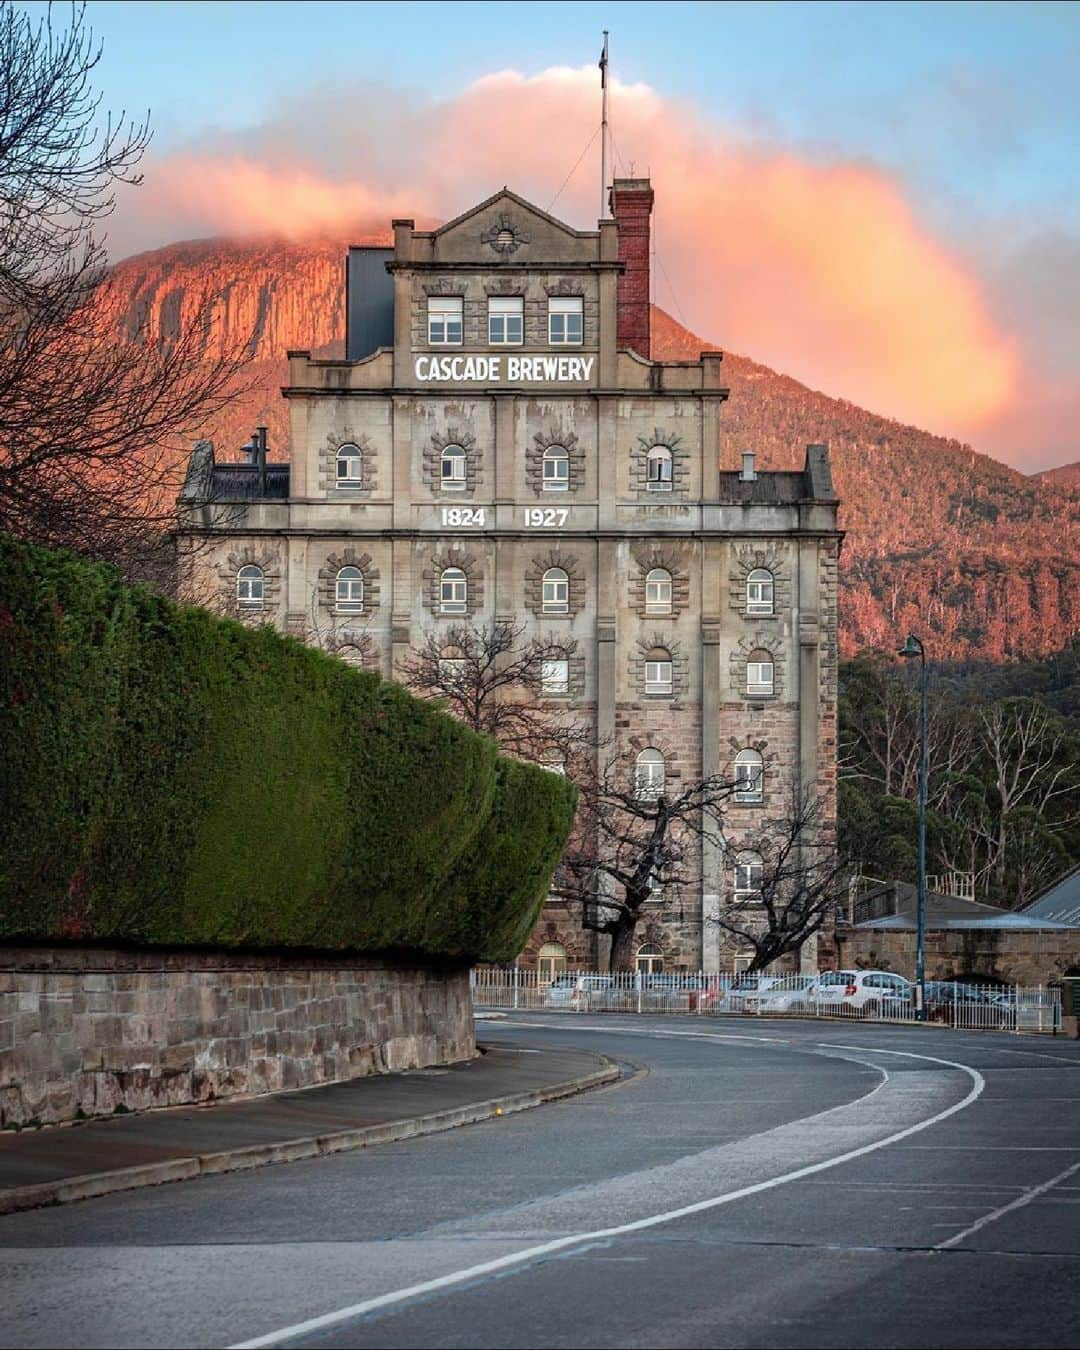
350, 465
658, 591
350, 590
555, 592
659, 468
749, 874
249, 587
453, 673
554, 676
550, 962
556, 469
452, 468
649, 959
759, 673
749, 769
658, 671
759, 592
453, 591
649, 774
553, 762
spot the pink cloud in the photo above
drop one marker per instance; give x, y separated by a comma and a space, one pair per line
821, 270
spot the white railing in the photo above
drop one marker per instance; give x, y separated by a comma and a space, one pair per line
868, 995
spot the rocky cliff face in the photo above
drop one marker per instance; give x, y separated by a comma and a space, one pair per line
978, 558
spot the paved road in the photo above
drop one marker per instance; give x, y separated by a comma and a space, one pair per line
779, 1184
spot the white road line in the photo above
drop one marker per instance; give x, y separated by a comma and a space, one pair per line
1019, 1203
544, 1249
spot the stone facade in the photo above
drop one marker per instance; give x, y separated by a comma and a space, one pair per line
92, 1030
606, 524
1018, 956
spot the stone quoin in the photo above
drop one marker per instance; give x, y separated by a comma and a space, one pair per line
499, 408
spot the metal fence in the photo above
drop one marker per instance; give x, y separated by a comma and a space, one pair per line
878, 996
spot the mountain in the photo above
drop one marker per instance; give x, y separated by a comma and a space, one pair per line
1065, 476
976, 557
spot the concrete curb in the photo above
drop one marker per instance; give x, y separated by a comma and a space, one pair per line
68, 1189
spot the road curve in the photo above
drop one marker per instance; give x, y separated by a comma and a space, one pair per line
760, 1184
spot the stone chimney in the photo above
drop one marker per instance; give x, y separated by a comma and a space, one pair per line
631, 205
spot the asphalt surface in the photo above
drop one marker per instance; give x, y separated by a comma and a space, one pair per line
760, 1184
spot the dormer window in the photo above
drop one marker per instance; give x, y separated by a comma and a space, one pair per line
506, 321
566, 321
445, 323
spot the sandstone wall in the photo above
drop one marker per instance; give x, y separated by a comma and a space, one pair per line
91, 1030
1034, 956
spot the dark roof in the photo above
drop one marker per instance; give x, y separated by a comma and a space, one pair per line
1061, 902
240, 482
772, 487
766, 489
893, 906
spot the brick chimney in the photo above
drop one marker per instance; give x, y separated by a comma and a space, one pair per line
631, 205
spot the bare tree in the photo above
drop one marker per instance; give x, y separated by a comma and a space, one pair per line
92, 411
492, 679
794, 884
636, 835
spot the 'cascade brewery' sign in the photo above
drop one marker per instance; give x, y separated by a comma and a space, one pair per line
495, 369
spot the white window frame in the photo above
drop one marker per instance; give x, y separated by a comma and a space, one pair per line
562, 330
445, 321
556, 456
555, 591
760, 676
250, 587
649, 959
749, 776
658, 675
453, 591
349, 590
550, 962
349, 458
749, 875
658, 590
659, 468
453, 455
553, 763
502, 311
555, 676
760, 591
650, 774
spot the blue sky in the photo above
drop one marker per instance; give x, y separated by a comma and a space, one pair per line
971, 109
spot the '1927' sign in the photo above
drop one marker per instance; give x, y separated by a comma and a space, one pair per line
497, 369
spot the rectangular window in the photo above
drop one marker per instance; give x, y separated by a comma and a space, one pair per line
566, 321
506, 321
759, 677
658, 677
555, 677
444, 321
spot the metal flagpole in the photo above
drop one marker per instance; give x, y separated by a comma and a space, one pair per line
603, 127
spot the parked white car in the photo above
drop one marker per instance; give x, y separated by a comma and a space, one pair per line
784, 996
745, 987
868, 993
579, 992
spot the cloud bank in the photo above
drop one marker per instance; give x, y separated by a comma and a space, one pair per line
822, 270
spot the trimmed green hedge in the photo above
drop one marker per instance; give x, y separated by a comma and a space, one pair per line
171, 777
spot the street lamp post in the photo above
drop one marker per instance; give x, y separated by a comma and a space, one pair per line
911, 648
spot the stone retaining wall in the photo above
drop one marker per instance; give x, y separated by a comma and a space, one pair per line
91, 1030
1019, 956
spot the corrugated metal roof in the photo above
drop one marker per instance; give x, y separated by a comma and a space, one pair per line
766, 489
1061, 902
240, 482
936, 921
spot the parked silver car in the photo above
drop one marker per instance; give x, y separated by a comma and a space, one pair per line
579, 992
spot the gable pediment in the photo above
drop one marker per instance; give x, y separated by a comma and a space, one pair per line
508, 229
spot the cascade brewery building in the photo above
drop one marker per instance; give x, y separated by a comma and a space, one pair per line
500, 446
